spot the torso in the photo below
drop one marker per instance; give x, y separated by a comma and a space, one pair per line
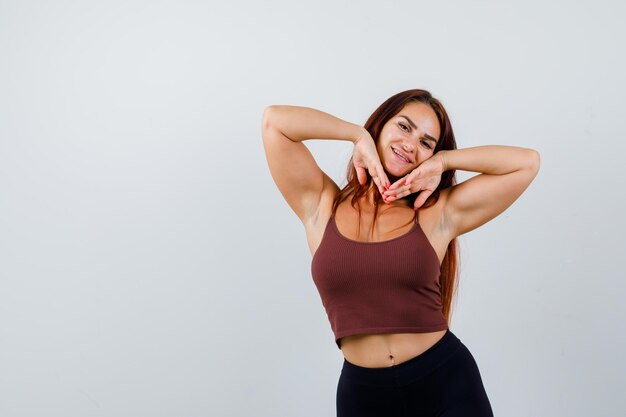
381, 350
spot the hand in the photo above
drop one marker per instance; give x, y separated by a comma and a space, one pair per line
426, 177
365, 157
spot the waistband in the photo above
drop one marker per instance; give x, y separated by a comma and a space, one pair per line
406, 372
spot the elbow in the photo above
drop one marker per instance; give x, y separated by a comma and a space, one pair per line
266, 117
269, 115
534, 159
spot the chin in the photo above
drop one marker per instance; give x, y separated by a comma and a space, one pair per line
394, 177
398, 172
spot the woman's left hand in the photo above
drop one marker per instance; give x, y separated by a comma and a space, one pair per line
425, 178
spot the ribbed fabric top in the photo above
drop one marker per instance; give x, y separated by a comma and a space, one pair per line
390, 286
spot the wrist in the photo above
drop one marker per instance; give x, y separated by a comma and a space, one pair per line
442, 157
360, 133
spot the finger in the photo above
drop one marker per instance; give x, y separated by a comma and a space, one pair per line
397, 190
397, 183
399, 194
383, 175
398, 187
374, 173
421, 199
377, 180
360, 174
414, 175
409, 178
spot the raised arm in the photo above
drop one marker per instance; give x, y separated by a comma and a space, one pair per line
506, 171
292, 166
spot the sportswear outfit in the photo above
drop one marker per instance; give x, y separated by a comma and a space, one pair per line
393, 286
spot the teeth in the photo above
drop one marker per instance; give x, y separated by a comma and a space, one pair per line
399, 154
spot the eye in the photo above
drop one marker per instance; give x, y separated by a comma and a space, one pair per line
407, 129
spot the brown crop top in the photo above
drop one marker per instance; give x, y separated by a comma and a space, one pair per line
390, 286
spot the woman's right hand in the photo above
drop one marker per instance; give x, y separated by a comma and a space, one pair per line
365, 157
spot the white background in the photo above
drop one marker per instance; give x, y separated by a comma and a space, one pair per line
149, 266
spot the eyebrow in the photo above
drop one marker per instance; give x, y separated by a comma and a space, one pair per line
426, 135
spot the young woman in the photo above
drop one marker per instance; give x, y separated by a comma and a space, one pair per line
384, 247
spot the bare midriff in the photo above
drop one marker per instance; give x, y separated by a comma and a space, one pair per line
385, 350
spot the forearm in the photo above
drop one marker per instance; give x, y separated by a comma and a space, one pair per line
302, 123
490, 159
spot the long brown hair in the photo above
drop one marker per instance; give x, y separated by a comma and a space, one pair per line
448, 278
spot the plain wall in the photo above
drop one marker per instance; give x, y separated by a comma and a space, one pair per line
149, 266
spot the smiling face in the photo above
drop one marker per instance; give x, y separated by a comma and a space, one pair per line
413, 132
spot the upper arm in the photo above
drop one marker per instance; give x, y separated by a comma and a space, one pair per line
481, 198
294, 170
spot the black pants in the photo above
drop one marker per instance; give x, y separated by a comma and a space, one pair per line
442, 381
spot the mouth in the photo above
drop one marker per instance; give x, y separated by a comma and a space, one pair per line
399, 156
